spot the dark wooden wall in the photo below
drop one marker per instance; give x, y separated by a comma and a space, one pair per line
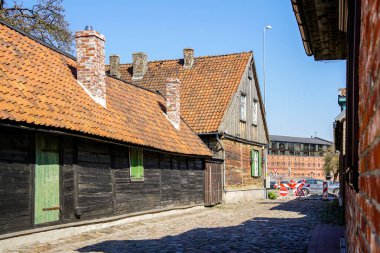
94, 181
16, 174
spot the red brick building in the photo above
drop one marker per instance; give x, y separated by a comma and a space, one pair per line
296, 158
349, 29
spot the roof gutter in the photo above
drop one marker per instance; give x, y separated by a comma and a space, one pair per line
235, 138
302, 27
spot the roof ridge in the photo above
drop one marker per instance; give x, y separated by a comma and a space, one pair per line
323, 139
67, 54
198, 57
135, 85
290, 136
297, 137
30, 36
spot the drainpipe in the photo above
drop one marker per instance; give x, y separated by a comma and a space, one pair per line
266, 148
224, 161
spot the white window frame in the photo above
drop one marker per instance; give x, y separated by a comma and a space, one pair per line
256, 163
254, 111
243, 107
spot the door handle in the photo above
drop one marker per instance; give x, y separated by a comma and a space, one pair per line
51, 208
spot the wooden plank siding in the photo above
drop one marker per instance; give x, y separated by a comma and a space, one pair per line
94, 180
15, 180
232, 124
238, 166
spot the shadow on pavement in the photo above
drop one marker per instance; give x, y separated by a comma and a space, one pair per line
259, 234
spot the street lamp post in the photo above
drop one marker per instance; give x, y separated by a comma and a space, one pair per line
268, 27
267, 180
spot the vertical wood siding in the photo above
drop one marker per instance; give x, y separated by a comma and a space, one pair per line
232, 124
15, 180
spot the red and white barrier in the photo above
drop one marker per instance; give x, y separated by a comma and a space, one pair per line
291, 186
325, 191
281, 185
297, 187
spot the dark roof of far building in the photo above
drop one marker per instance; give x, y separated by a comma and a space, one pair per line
314, 140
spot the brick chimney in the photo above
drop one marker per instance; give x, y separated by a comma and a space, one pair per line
91, 63
114, 65
140, 65
173, 89
188, 58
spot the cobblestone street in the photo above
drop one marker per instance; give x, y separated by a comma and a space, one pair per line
264, 226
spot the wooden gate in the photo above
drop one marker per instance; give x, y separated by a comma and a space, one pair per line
213, 182
46, 195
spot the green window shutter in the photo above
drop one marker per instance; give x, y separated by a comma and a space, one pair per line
252, 163
260, 164
140, 166
133, 163
137, 169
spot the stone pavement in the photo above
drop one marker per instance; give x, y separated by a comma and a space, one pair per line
325, 238
263, 226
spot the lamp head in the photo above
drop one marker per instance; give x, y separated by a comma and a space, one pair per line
268, 27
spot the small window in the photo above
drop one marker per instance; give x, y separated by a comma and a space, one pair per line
254, 112
137, 169
243, 107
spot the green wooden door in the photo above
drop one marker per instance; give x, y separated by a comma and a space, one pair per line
46, 195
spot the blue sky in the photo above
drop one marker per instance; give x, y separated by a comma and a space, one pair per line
301, 93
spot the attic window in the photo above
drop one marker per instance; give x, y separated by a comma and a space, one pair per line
243, 107
254, 112
250, 73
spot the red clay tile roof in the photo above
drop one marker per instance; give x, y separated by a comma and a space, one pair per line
206, 88
37, 86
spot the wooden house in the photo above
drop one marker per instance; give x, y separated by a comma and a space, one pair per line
77, 144
221, 101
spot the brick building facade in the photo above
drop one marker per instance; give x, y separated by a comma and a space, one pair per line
296, 158
362, 193
300, 167
351, 32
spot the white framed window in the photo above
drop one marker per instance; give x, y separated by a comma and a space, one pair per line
256, 168
254, 112
243, 107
